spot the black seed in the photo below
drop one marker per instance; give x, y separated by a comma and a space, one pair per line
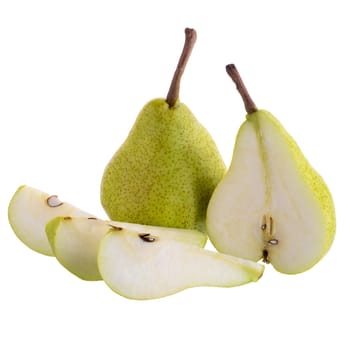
147, 237
266, 256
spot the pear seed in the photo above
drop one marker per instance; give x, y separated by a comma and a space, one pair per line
267, 227
266, 256
117, 228
67, 218
273, 241
53, 201
92, 218
147, 237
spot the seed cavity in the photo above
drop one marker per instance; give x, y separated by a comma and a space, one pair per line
53, 201
147, 237
267, 227
268, 232
67, 218
92, 218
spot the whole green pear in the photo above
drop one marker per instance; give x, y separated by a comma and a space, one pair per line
167, 168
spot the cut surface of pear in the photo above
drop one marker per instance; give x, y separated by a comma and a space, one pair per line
193, 237
75, 241
30, 210
167, 168
148, 266
271, 204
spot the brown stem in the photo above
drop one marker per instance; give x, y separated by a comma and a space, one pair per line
249, 104
174, 90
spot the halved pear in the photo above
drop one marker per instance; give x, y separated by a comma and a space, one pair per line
149, 265
30, 210
75, 241
271, 204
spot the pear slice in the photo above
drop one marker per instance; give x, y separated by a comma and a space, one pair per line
193, 237
75, 241
271, 204
149, 265
30, 210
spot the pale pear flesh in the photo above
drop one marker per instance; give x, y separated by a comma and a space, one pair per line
30, 210
194, 237
75, 241
271, 204
149, 266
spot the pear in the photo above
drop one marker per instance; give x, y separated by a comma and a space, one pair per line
150, 265
167, 168
75, 241
271, 204
30, 210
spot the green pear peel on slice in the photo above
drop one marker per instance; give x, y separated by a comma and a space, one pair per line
271, 204
168, 167
30, 210
75, 241
149, 266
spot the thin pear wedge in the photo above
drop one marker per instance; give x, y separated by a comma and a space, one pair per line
75, 241
149, 266
271, 205
30, 210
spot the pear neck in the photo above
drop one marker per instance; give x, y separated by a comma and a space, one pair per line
174, 90
249, 104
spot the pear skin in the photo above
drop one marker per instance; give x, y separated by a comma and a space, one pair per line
271, 204
149, 266
167, 168
75, 241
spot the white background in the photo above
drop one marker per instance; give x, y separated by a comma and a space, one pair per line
73, 77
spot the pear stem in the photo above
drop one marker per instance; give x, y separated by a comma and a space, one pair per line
174, 90
249, 104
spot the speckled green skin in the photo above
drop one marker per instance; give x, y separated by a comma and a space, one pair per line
165, 172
